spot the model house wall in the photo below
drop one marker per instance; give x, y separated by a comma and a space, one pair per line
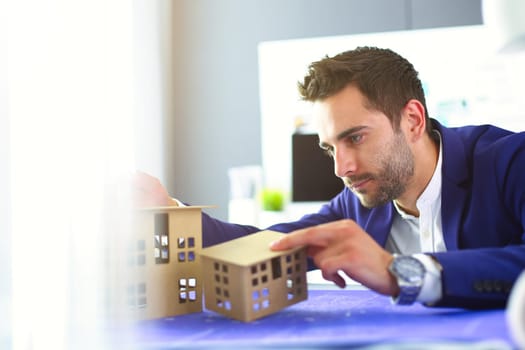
245, 280
163, 263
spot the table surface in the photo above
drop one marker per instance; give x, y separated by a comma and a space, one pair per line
333, 319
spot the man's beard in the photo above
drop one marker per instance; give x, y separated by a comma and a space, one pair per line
396, 164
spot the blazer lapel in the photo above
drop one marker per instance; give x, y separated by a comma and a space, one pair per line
454, 191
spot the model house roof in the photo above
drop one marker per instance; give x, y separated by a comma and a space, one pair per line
246, 250
169, 208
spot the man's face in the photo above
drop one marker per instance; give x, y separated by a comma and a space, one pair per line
374, 161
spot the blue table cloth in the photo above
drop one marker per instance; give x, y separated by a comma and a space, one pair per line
332, 319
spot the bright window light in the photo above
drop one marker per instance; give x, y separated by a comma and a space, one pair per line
72, 93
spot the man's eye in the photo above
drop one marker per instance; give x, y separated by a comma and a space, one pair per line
355, 138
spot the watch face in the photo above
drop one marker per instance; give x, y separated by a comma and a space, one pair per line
409, 269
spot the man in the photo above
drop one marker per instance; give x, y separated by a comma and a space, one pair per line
429, 213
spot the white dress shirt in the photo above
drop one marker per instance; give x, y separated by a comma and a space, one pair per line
412, 235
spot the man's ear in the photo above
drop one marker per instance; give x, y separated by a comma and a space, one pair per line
413, 118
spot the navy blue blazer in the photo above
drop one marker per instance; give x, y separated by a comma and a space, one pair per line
482, 208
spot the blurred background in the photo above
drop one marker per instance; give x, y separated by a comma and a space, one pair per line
215, 118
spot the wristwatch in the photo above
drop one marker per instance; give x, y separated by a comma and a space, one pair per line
410, 274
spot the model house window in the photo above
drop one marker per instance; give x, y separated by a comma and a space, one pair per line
187, 290
137, 253
294, 271
162, 244
276, 268
186, 248
141, 252
260, 299
222, 293
137, 296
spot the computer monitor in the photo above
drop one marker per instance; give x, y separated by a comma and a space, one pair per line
313, 177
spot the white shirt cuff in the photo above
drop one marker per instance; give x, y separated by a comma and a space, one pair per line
431, 289
179, 203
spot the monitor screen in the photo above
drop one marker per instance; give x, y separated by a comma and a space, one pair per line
313, 177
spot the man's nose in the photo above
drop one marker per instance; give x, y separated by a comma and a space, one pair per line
344, 162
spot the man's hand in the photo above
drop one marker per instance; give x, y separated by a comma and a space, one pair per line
344, 246
149, 192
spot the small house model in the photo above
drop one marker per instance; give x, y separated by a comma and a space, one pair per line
164, 263
245, 280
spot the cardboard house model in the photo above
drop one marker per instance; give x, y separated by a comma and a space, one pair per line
165, 275
245, 280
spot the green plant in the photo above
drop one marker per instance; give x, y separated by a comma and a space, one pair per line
272, 199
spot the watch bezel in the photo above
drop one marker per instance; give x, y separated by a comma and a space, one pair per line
409, 284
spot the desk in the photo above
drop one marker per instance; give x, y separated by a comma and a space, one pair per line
333, 319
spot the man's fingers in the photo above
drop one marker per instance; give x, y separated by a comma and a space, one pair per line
335, 277
282, 243
314, 236
319, 235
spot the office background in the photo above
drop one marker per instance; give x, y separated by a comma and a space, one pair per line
212, 122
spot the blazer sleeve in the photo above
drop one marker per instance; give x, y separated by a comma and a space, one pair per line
216, 231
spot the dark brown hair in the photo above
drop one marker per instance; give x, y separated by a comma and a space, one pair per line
387, 80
